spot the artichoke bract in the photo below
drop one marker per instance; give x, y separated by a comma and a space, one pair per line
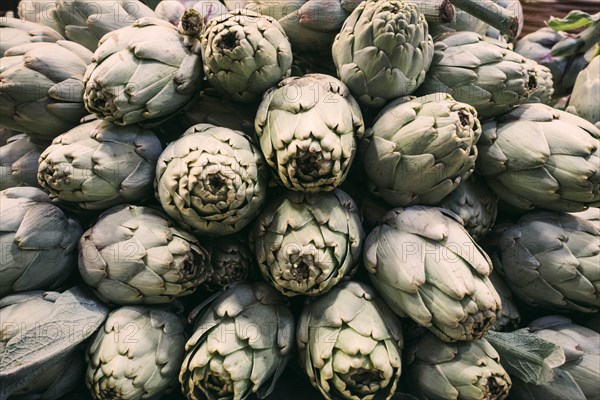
350, 344
480, 71
19, 161
465, 370
426, 266
136, 354
545, 86
41, 12
143, 72
241, 344
309, 128
383, 50
537, 156
231, 261
307, 243
212, 179
16, 32
585, 99
41, 88
552, 260
135, 255
244, 54
98, 165
419, 151
508, 316
39, 241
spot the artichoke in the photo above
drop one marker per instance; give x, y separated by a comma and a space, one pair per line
41, 12
98, 165
419, 151
465, 370
41, 89
135, 255
475, 203
244, 54
425, 265
212, 179
537, 156
242, 341
552, 260
19, 161
350, 344
480, 71
135, 355
16, 32
508, 316
308, 129
307, 243
383, 50
38, 241
145, 71
585, 99
231, 261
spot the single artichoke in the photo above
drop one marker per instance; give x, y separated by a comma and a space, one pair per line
135, 355
41, 12
537, 156
383, 50
212, 179
244, 54
425, 265
307, 243
308, 129
480, 71
585, 99
508, 316
350, 344
242, 341
38, 241
145, 71
19, 161
16, 32
41, 89
231, 261
417, 152
135, 255
552, 260
98, 165
450, 371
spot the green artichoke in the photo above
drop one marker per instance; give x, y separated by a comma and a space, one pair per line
41, 89
212, 179
552, 260
307, 243
145, 71
19, 161
135, 355
242, 342
585, 99
16, 32
98, 165
244, 54
134, 255
450, 371
419, 151
425, 265
38, 241
41, 12
508, 316
350, 344
308, 129
383, 50
480, 71
537, 156
231, 261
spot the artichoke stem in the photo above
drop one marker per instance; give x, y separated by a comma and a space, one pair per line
492, 14
495, 388
192, 23
436, 11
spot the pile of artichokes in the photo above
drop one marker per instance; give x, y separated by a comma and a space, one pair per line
298, 199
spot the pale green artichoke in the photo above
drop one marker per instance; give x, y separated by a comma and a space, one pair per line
244, 54
383, 50
306, 243
426, 266
537, 156
98, 165
508, 316
350, 344
309, 128
143, 72
38, 241
16, 32
585, 99
552, 260
212, 180
241, 344
134, 255
451, 371
19, 161
419, 151
135, 355
41, 89
480, 71
231, 261
40, 11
